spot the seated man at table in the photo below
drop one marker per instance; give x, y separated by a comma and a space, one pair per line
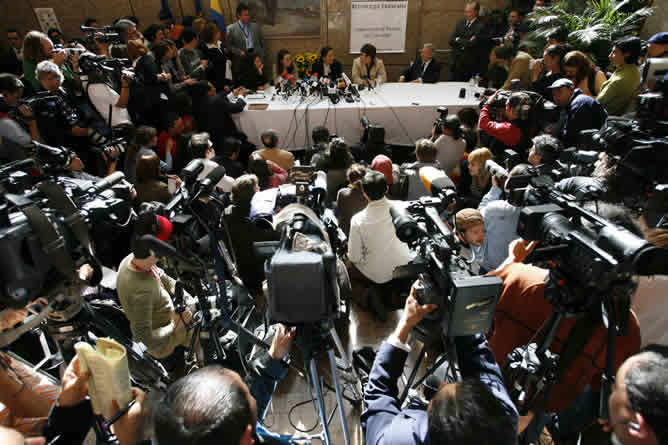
427, 70
271, 152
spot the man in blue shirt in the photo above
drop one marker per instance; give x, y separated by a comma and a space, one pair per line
583, 112
476, 410
501, 219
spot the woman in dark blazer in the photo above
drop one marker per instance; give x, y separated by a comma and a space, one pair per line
248, 72
327, 66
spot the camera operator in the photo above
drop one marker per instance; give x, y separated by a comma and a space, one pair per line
607, 182
334, 161
449, 142
470, 230
373, 246
145, 290
247, 231
501, 218
639, 399
544, 153
477, 410
425, 152
320, 138
13, 138
522, 309
582, 112
511, 133
103, 96
60, 123
214, 405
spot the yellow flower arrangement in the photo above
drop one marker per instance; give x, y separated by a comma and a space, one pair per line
304, 63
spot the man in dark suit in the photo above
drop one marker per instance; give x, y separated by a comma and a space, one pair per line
427, 70
470, 46
476, 410
11, 59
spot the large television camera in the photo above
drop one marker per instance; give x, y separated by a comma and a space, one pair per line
466, 302
45, 232
304, 274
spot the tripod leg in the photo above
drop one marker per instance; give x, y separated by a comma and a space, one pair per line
339, 399
321, 402
358, 391
411, 379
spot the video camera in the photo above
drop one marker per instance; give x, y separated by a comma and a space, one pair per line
45, 231
466, 302
305, 186
441, 121
103, 34
539, 112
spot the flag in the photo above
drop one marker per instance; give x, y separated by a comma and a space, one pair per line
198, 7
217, 15
165, 7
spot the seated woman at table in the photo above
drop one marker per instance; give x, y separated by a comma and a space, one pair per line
327, 67
285, 70
249, 73
367, 68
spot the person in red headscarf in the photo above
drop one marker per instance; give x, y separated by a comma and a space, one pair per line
144, 291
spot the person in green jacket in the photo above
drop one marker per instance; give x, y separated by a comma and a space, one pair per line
618, 91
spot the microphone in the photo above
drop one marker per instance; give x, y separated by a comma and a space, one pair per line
106, 183
351, 86
162, 249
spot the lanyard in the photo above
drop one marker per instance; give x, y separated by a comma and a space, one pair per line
247, 34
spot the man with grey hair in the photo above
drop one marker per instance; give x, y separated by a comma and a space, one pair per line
201, 147
427, 70
638, 404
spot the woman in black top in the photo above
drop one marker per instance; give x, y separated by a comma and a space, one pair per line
215, 54
327, 66
249, 73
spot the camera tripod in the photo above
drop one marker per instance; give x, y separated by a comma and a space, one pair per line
313, 342
531, 371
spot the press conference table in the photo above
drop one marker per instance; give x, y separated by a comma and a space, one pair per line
406, 110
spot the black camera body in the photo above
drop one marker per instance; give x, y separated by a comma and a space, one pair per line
440, 122
466, 302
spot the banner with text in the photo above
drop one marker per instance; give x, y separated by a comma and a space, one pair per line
381, 23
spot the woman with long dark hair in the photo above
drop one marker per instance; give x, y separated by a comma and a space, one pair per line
367, 68
285, 69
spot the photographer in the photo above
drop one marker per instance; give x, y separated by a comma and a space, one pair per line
522, 309
639, 398
501, 219
582, 112
449, 143
201, 147
607, 182
512, 132
145, 290
548, 70
477, 410
13, 138
544, 153
103, 96
214, 405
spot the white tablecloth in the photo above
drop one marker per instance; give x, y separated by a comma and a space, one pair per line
406, 110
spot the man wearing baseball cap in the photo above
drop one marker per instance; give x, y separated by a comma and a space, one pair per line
583, 112
657, 45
